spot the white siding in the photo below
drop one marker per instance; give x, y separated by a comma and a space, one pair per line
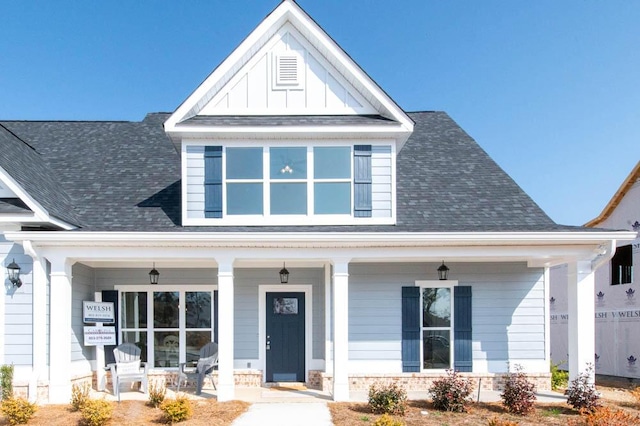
381, 181
195, 182
507, 309
321, 89
82, 289
18, 309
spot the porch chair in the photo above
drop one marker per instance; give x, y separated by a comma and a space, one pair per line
207, 362
128, 368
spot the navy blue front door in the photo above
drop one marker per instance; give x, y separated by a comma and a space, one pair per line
285, 337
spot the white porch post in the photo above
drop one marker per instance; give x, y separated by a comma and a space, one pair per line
581, 286
226, 384
39, 326
60, 331
340, 330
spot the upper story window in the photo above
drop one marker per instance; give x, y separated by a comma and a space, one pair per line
289, 185
622, 266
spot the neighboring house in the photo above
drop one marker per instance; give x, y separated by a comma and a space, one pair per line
287, 158
616, 295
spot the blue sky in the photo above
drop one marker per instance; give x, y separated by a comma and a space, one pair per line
550, 89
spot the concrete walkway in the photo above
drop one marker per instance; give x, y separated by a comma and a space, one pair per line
285, 414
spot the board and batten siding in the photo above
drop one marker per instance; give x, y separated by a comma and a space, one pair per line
82, 289
195, 182
18, 307
507, 307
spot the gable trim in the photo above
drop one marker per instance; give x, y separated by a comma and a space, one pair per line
40, 214
633, 177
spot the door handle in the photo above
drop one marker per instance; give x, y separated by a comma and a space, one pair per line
268, 342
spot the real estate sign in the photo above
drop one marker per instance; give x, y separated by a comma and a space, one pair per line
98, 312
94, 336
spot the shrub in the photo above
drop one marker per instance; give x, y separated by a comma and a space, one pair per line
79, 395
581, 393
157, 392
387, 420
495, 421
387, 399
6, 381
18, 411
177, 410
451, 393
519, 393
96, 412
605, 416
559, 378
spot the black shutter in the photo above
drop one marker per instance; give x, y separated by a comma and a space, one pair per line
462, 334
213, 181
362, 181
411, 329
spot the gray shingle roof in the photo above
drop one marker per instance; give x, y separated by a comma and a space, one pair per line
37, 178
125, 176
288, 120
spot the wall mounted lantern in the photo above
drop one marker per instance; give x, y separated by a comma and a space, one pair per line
443, 272
154, 275
13, 269
284, 275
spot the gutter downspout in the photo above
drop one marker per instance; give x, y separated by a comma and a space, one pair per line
605, 251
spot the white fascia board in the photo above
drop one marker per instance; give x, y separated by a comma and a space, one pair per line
40, 214
290, 131
274, 20
326, 239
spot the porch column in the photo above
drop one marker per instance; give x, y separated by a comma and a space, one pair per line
60, 331
340, 330
39, 315
226, 384
581, 310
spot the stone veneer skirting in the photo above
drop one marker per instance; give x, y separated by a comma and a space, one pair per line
420, 381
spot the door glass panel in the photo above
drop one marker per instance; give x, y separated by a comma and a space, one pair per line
134, 309
332, 198
288, 163
244, 198
198, 309
167, 349
436, 305
166, 309
195, 341
436, 348
138, 338
332, 162
288, 198
244, 163
285, 306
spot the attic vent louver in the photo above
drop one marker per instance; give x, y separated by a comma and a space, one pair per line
288, 70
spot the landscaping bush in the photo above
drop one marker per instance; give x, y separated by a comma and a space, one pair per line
581, 393
519, 393
451, 393
559, 378
18, 411
157, 392
387, 420
79, 395
387, 399
605, 416
6, 381
96, 412
177, 410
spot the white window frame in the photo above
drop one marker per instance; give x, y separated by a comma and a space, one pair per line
266, 219
450, 284
151, 329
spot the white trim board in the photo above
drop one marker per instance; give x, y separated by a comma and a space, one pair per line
308, 326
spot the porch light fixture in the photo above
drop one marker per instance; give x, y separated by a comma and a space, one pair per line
443, 272
13, 269
154, 275
284, 275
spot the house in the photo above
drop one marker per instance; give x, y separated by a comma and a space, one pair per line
297, 216
617, 303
